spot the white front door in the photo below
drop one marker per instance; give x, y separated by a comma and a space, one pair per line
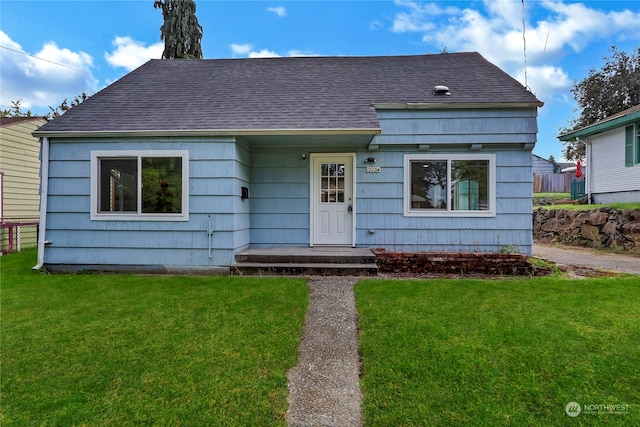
332, 199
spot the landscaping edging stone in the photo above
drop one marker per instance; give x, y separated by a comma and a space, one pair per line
602, 228
459, 263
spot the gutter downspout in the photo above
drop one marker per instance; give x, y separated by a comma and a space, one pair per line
44, 190
587, 151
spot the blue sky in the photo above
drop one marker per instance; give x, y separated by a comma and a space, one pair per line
52, 50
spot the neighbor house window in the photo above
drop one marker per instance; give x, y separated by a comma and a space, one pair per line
632, 145
453, 185
134, 185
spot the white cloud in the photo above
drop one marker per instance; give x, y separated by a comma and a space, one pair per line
264, 53
279, 10
247, 50
241, 49
545, 81
418, 17
131, 54
44, 78
495, 30
300, 53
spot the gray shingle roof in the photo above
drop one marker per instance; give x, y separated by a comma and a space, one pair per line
271, 94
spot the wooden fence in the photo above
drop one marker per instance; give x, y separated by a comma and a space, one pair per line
552, 182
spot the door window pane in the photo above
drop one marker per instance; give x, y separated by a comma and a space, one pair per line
332, 182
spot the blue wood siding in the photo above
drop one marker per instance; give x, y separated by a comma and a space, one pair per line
490, 126
380, 220
279, 197
218, 169
280, 184
278, 179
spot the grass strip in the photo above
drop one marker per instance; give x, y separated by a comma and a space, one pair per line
93, 349
507, 352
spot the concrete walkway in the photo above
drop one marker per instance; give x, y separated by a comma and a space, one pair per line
583, 257
324, 388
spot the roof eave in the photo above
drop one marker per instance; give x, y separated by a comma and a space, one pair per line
204, 132
602, 126
452, 105
26, 120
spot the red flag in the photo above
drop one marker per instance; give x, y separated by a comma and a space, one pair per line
578, 169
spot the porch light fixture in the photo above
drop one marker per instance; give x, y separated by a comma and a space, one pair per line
370, 160
304, 156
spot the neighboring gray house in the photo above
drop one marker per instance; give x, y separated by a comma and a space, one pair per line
184, 163
542, 166
613, 157
551, 176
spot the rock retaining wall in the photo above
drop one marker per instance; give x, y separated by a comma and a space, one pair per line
602, 228
459, 263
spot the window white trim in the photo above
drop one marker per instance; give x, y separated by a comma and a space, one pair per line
449, 212
96, 155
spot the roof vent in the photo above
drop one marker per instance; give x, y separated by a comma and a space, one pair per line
441, 90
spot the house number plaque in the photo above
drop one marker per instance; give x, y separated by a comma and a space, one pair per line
373, 169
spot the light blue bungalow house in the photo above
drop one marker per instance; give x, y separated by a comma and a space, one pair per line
184, 163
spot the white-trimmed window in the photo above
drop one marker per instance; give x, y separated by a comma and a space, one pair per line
449, 185
140, 185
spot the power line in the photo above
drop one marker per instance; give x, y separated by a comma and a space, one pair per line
524, 39
46, 60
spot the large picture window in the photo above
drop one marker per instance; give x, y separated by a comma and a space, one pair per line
139, 185
454, 185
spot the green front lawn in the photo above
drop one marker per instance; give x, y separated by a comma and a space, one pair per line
576, 207
508, 352
118, 350
92, 349
555, 196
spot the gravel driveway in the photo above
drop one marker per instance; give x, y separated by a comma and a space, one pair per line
574, 257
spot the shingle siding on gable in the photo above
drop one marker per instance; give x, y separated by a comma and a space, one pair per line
458, 126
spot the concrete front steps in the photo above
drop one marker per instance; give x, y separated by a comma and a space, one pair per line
305, 261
